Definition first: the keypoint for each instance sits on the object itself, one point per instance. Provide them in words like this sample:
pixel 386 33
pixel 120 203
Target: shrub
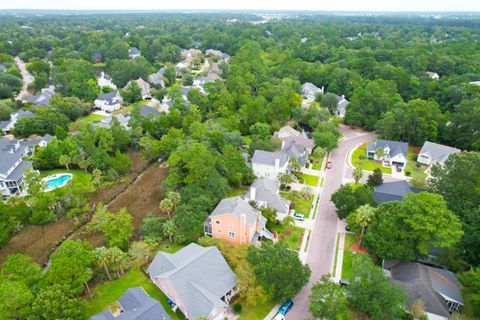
pixel 237 308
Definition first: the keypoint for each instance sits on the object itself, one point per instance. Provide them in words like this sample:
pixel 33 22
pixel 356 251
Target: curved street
pixel 321 248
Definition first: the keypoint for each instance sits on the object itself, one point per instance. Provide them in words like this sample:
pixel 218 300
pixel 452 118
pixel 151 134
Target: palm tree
pixel 363 216
pixel 97 175
pixel 65 161
pixel 169 229
pixel 166 205
pixel 294 164
pixel 357 174
pixel 175 198
pixel 285 178
pixel 379 153
pixel 84 164
pixel 119 260
pixel 103 258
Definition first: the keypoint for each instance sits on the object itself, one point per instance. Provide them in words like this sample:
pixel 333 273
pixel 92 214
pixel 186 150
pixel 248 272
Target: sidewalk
pixel 272 313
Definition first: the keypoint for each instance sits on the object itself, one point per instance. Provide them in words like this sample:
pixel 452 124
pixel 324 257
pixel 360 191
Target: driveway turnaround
pixel 321 249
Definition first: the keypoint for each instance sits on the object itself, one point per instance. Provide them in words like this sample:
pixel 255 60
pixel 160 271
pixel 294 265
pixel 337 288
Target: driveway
pixel 321 249
pixel 27 79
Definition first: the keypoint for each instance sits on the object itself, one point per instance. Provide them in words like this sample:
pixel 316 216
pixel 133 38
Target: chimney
pixel 243 228
pixel 252 193
pixel 343 96
pixel 277 164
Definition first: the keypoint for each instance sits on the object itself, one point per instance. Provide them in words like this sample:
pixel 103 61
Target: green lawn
pixel 415 170
pixel 78 175
pixel 99 65
pixel 235 192
pixel 347 272
pixel 307 179
pixel 336 254
pixel 317 166
pixel 257 312
pixel 366 164
pixel 84 121
pixel 291 238
pixel 110 291
pixel 301 206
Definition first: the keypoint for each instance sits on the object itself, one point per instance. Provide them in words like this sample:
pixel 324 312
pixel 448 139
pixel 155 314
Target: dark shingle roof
pixel 396 147
pixel 393 191
pixel 147 110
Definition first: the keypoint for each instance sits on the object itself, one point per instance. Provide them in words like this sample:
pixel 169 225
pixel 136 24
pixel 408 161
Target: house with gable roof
pixel 134 53
pixel 266 194
pixel 309 91
pixel 236 221
pixel 157 78
pixel 42 99
pixel 7 125
pixel 134 304
pixel 432 153
pixel 144 88
pixel 393 191
pixel 109 102
pixel 197 280
pixel 395 153
pixel 342 104
pixel 269 164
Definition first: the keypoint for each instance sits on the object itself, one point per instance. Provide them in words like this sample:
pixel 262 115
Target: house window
pixel 231 234
pixel 217 221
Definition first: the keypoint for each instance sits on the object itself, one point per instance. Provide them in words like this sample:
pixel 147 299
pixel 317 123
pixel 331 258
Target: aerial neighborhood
pixel 239 165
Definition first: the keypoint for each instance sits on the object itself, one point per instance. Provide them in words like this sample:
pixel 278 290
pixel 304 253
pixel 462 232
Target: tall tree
pixel 328 300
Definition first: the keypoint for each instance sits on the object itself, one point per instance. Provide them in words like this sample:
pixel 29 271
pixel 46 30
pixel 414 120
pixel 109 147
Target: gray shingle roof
pixel 147 110
pixel 17 173
pixel 109 97
pixel 236 206
pixel 297 150
pixel 393 191
pixel 437 152
pixel 133 50
pixel 8 157
pixel 200 276
pixel 266 190
pixel 396 147
pixel 137 305
pixel 427 283
pixel 268 157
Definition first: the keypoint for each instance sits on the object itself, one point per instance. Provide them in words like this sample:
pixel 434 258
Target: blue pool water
pixel 58 181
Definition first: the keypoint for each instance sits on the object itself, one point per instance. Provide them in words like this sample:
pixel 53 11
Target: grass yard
pixel 301 206
pixel 415 170
pixel 233 192
pixel 78 175
pixel 317 166
pixel 336 254
pixel 307 179
pixel 110 291
pixel 366 164
pixel 84 121
pixel 347 271
pixel 257 312
pixel 290 237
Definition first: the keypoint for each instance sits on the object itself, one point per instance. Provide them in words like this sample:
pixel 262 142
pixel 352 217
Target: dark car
pixel 399 168
pixel 347 228
pixel 286 307
pixel 329 164
pixel 344 282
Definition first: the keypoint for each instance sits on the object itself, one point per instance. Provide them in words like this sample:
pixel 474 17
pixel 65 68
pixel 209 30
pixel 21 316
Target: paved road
pixel 27 79
pixel 322 242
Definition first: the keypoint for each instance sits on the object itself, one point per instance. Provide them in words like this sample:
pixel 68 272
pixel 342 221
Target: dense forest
pixel 382 65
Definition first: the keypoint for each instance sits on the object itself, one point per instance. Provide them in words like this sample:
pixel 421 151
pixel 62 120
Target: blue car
pixel 286 307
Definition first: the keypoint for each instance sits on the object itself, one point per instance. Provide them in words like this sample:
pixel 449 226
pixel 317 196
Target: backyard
pixel 290 236
pixel 257 312
pixel 300 205
pixel 415 170
pixel 84 121
pixel 108 292
pixel 359 160
pixel 307 179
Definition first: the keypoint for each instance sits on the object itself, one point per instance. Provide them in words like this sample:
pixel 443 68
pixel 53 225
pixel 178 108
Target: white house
pixel 266 194
pixel 134 53
pixel 266 164
pixel 105 81
pixel 157 78
pixel 309 91
pixel 432 153
pixel 7 125
pixel 432 75
pixel 109 102
pixel 341 106
pixel 395 153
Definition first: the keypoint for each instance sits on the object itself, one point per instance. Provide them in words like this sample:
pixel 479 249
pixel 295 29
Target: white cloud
pixel 338 5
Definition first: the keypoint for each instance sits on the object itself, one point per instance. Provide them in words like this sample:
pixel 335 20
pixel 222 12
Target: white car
pixel 298 216
pixel 279 316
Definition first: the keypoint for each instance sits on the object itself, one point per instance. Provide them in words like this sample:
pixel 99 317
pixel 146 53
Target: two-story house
pixel 109 102
pixel 7 125
pixel 144 88
pixel 432 153
pixel 236 221
pixel 394 153
pixel 266 194
pixel 269 164
pixel 309 91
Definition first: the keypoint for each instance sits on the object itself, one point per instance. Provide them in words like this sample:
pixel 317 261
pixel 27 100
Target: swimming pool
pixel 55 181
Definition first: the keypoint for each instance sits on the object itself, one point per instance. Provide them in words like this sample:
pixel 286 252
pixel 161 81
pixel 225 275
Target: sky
pixel 322 5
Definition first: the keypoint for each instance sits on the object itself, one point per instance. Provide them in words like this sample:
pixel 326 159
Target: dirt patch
pixel 35 243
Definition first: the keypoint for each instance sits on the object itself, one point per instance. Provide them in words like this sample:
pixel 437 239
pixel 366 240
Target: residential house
pixel 105 81
pixel 108 121
pixel 12 165
pixel 439 289
pixel 134 304
pixel 393 191
pixel 144 87
pixel 309 91
pixel 190 53
pixel 266 194
pixel 214 72
pixel 157 78
pixel 197 280
pixel 266 164
pixel 134 53
pixel 295 144
pixel 166 105
pixel 217 53
pixel 146 111
pixel 236 221
pixel 432 75
pixel 342 104
pixel 42 99
pixel 109 102
pixel 7 125
pixel 184 90
pixel 395 153
pixel 432 153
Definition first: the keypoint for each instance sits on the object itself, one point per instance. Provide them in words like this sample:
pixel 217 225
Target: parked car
pixel 347 228
pixel 298 216
pixel 344 282
pixel 285 307
pixel 399 168
pixel 329 164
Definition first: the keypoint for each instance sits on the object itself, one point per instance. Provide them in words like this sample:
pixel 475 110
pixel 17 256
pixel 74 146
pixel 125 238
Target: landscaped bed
pixel 367 164
pixel 308 179
pixel 108 292
pixel 300 205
